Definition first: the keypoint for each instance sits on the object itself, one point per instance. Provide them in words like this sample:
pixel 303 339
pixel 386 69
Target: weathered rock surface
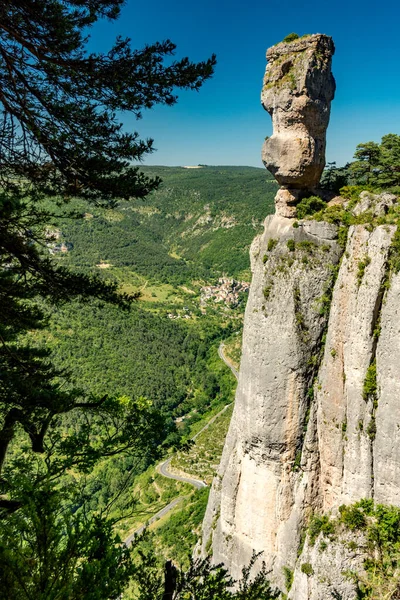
pixel 262 492
pixel 386 446
pixel 307 433
pixel 305 437
pixel 377 204
pixel 297 92
pixel 346 449
pixel 328 562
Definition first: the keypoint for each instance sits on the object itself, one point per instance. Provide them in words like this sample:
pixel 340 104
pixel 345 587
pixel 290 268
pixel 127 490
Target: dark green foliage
pixel 203 581
pixel 195 226
pixel 389 164
pixel 271 244
pixel 381 527
pixel 394 256
pixel 309 206
pixel 291 37
pixel 267 291
pixel 378 164
pixel 147 354
pixel 334 178
pixel 352 517
pixel 297 461
pixel 320 524
pixel 307 569
pixel 51 552
pixel 371 429
pixel 323 546
pixel 307 245
pixel 178 535
pixel 299 315
pixel 61 137
pixel 291 245
pixel 370 392
pixel 367 156
pixel 362 265
pixel 59 103
pixel 326 299
pixel 370 386
pixel 352 192
pixel 289 576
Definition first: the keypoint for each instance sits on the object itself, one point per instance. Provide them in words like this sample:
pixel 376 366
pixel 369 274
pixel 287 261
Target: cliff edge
pixel 316 423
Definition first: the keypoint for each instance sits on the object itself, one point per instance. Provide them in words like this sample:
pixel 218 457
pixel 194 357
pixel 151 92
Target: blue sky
pixel 224 124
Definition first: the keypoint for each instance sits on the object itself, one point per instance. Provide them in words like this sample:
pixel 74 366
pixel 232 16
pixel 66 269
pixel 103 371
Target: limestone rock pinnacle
pixel 297 92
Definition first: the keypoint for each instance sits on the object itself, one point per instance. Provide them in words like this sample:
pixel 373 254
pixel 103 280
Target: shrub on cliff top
pixel 309 206
pixel 353 517
pixel 291 37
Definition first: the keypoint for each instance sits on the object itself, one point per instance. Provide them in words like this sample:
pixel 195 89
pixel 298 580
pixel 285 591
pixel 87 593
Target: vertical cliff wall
pixel 267 477
pixel 316 423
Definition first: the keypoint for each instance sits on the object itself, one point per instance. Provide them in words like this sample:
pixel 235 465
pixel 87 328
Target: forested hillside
pixel 195 228
pixel 198 224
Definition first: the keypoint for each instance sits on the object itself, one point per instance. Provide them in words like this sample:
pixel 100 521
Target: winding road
pixel 226 361
pixel 162 468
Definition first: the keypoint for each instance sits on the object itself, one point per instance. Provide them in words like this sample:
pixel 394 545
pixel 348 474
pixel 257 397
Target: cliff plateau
pixel 316 423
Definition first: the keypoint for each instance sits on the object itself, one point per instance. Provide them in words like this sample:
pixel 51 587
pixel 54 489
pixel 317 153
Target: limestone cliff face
pixel 266 481
pixel 304 437
pixel 297 92
pixel 322 321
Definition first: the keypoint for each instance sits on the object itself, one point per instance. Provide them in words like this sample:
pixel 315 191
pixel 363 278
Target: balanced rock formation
pixel 297 92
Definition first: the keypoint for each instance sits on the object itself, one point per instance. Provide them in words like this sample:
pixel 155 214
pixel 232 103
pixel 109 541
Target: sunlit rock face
pixel 305 437
pixel 297 92
pixel 316 422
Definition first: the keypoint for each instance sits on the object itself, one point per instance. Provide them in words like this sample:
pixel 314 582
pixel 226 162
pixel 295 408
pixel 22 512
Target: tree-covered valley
pixel 164 348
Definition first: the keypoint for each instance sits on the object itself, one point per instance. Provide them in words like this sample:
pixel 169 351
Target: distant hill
pixel 199 224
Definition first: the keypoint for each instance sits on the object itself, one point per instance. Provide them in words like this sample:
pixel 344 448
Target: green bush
pixel 370 387
pixel 352 192
pixel 309 206
pixel 288 575
pixel 362 265
pixel 271 244
pixel 371 429
pixel 307 245
pixel 267 291
pixel 320 524
pixel 353 517
pixel 307 569
pixel 291 37
pixel 291 245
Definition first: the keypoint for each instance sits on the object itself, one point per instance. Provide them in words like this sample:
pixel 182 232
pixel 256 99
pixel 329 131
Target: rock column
pixel 297 92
